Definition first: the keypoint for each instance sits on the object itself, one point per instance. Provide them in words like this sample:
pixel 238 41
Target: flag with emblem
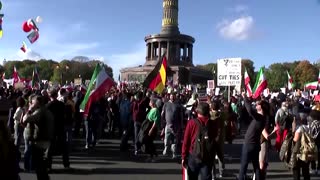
pixel 100 83
pixel 247 83
pixel 311 85
pixel 261 83
pixel 156 80
pixel 290 81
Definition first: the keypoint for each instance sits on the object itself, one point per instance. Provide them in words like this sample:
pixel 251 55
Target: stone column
pixel 191 54
pixel 159 50
pixel 152 51
pixel 184 52
pixel 147 51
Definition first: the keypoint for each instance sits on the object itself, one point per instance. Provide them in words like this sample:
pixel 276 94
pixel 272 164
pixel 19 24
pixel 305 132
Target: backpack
pixel 308 150
pixel 285 121
pixel 203 145
pixel 315 129
pixel 286 149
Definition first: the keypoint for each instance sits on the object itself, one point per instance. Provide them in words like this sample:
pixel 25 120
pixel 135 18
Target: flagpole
pixel 229 93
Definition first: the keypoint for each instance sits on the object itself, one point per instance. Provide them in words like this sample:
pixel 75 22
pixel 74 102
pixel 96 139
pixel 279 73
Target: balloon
pixel 25 26
pixel 30 24
pixel 39 19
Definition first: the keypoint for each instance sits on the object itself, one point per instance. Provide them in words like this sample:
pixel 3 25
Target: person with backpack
pixel 315 133
pixel 283 121
pixel 251 146
pixel 304 149
pixel 199 144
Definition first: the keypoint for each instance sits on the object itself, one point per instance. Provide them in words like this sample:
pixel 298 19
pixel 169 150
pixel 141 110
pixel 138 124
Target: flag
pixel 319 77
pixel 156 80
pixel 3 76
pixel 311 85
pixel 100 83
pixel 247 83
pixel 261 83
pixel 290 81
pixel 35 83
pixel 24 47
pixel 33 37
pixel 15 75
pixel 1 20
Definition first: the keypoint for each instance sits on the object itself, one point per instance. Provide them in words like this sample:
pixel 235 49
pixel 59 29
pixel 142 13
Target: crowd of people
pixel 193 131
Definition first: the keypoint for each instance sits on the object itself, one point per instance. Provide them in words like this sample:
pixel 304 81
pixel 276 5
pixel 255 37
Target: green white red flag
pixel 247 83
pixel 290 81
pixel 261 83
pixel 311 85
pixel 100 83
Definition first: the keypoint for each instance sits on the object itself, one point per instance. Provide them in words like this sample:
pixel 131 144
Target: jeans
pixel 170 141
pixel 91 132
pixel 18 134
pixel 137 127
pixel 305 170
pixel 194 169
pixel 28 163
pixel 250 153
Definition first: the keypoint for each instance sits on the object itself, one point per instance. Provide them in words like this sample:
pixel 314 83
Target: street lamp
pixel 61 72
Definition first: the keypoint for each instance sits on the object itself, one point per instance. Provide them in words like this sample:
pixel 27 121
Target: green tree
pixel 276 75
pixel 305 72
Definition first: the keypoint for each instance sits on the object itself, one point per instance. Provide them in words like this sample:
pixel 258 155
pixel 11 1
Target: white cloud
pixel 55 46
pixel 29 54
pixel 132 58
pixel 239 29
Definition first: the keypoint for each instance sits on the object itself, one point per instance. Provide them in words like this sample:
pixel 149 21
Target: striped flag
pixel 1 20
pixel 261 83
pixel 311 85
pixel 156 80
pixel 35 83
pixel 290 81
pixel 247 83
pixel 24 47
pixel 15 75
pixel 100 83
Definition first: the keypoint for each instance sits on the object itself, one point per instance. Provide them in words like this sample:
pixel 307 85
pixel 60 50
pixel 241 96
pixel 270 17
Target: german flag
pixel 156 79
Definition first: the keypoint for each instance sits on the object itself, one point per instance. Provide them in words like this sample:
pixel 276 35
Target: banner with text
pixel 229 72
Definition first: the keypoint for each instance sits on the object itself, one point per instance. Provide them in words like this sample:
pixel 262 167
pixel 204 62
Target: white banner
pixel 229 72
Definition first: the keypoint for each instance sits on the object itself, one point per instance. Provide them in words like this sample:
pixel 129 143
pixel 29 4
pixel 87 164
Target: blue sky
pixel 113 31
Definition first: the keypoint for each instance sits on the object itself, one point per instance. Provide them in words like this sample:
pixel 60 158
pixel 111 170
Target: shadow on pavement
pixel 144 171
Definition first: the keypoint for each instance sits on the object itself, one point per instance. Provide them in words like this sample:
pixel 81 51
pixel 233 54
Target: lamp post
pixel 64 70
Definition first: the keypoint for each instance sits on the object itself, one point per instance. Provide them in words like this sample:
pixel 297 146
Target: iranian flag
pixel 247 83
pixel 311 85
pixel 261 83
pixel 100 83
pixel 290 81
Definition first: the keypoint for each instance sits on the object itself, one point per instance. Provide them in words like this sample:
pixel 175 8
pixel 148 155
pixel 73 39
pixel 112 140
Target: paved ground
pixel 106 162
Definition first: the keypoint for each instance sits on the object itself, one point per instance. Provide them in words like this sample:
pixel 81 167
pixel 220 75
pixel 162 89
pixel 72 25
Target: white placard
pixel 229 72
pixel 217 91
